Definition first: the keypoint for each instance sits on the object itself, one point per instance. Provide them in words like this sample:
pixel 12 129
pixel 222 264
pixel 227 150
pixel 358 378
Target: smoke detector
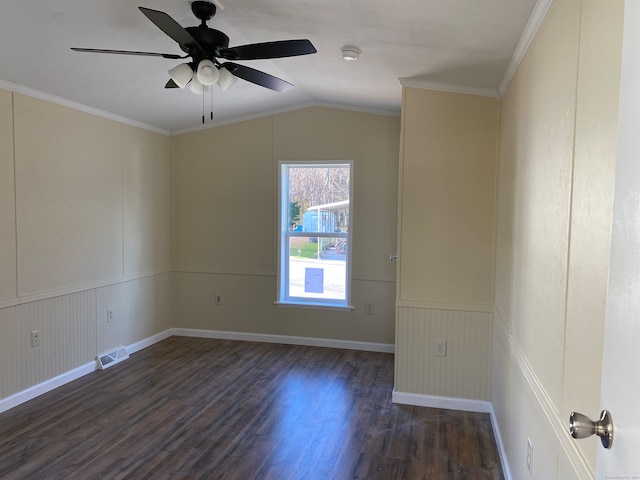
pixel 351 54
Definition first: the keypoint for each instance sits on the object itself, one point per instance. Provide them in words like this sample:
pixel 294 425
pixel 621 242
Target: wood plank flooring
pixel 189 408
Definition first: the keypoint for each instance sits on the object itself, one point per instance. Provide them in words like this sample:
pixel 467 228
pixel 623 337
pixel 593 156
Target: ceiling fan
pixel 206 46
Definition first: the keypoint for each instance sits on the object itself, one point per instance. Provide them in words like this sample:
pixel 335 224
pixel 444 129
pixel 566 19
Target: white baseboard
pixel 55 382
pixel 500 444
pixel 433 401
pixel 147 342
pixel 397 397
pixel 286 339
pixel 46 386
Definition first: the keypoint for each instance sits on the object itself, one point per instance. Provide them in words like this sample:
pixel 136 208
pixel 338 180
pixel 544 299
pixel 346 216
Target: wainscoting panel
pixel 9 363
pixel 74 328
pixel 465 370
pixel 140 309
pixel 67 339
pixel 523 410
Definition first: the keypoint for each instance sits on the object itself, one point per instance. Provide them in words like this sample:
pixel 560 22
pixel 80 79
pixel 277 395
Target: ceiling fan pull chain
pixel 211 93
pixel 203 92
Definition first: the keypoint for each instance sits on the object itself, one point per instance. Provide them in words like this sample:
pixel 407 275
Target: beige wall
pixel 447 198
pixel 557 153
pixel 224 205
pixel 146 199
pixel 8 280
pixel 68 197
pixel 225 224
pixel 86 227
pixel 446 230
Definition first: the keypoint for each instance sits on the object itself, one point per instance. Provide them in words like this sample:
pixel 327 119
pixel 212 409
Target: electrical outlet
pixel 440 349
pixel 368 308
pixel 218 299
pixel 35 338
pixel 109 316
pixel 529 456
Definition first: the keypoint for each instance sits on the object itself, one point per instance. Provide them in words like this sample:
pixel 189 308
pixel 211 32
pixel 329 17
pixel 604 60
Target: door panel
pixel 620 386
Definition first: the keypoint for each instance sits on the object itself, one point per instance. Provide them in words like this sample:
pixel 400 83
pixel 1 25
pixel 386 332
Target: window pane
pixel 315 241
pixel 317 267
pixel 318 198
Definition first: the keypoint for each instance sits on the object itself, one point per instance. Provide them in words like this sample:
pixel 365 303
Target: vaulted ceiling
pixel 457 44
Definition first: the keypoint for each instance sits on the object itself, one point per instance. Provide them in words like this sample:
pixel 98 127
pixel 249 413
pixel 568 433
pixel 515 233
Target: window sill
pixel 327 306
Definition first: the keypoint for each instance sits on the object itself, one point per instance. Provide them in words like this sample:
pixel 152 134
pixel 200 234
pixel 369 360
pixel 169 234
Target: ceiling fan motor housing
pixel 212 42
pixel 203 10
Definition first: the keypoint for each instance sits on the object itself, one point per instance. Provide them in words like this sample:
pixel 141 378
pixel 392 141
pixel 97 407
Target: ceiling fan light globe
pixel 207 73
pixel 198 88
pixel 225 78
pixel 181 75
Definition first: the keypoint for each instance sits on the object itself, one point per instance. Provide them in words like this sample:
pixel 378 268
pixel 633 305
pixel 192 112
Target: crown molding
pixel 535 20
pixel 290 108
pixel 448 87
pixel 47 97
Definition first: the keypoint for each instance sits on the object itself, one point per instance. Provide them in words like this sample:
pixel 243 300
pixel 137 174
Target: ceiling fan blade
pixel 169 26
pixel 279 49
pixel 128 52
pixel 259 78
pixel 171 84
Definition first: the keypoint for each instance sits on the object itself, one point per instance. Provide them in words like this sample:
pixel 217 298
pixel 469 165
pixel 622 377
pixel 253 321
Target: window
pixel 315 238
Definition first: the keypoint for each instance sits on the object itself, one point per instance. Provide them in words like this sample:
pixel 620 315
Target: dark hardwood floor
pixel 189 408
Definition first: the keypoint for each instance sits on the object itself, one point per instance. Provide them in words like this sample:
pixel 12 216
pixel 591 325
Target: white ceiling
pixel 460 43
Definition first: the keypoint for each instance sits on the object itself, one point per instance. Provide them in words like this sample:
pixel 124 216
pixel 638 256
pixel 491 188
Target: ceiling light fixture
pixel 351 54
pixel 207 73
pixel 225 78
pixel 198 88
pixel 182 74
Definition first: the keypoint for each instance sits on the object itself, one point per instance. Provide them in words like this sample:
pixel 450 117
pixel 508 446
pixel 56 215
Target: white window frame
pixel 284 234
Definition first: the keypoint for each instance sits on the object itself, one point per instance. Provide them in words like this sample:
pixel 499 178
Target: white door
pixel 621 362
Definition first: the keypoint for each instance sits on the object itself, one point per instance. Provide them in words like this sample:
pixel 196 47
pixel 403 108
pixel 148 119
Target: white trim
pixel 463 307
pixel 147 342
pixel 55 382
pixel 223 271
pixel 301 304
pixel 81 107
pixel 535 20
pixel 506 470
pixel 448 87
pixel 364 277
pixel 285 339
pixel 354 108
pixel 30 92
pixel 290 108
pixel 9 303
pixel 284 295
pixel 34 297
pixel 46 386
pixel 60 380
pixel 450 403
